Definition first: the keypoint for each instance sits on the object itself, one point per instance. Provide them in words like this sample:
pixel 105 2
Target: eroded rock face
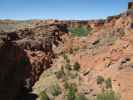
pixel 24 55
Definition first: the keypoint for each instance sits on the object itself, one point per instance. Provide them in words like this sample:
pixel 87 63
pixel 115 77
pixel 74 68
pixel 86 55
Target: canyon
pixel 29 50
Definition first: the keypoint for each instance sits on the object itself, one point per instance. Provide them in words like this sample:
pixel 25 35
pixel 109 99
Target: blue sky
pixel 60 9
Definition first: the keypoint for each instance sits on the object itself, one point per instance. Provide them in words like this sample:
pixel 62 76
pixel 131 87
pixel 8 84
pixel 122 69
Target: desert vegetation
pixel 67 82
pixel 108 95
pixel 80 31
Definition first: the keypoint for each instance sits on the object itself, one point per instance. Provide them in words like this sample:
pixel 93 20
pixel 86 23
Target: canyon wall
pixel 24 55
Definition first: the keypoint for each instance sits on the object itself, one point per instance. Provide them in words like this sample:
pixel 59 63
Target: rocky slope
pixel 106 52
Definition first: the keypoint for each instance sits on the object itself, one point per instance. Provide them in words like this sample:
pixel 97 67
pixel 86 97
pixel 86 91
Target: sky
pixel 61 9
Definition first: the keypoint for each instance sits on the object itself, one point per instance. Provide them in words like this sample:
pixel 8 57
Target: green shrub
pixel 43 96
pixel 66 85
pixel 73 86
pixel 76 48
pixel 71 95
pixel 70 86
pixel 100 79
pixel 60 74
pixel 55 90
pixel 107 95
pixel 81 97
pixel 68 66
pixel 66 58
pixel 76 66
pixel 108 83
pixel 79 31
pixel 71 51
pixel 72 74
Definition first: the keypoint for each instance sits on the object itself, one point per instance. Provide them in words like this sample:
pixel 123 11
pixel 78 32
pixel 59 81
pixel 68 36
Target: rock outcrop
pixel 24 55
pixel 130 5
